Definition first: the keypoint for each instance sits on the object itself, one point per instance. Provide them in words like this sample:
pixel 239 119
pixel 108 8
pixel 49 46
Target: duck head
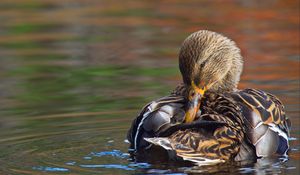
pixel 208 61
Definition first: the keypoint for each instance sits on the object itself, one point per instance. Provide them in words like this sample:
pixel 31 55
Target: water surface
pixel 73 74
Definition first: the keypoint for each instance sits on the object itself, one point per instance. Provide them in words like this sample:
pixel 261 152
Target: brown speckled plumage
pixel 229 124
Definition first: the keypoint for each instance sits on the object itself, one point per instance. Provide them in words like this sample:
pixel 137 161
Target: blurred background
pixel 73 75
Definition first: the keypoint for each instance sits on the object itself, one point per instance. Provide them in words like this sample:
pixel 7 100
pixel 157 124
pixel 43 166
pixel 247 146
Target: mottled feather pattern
pixel 180 90
pixel 218 142
pixel 265 105
pixel 224 108
pixel 234 134
pixel 267 126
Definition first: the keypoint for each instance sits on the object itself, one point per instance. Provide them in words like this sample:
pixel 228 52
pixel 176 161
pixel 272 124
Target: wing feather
pixel 153 117
pixel 216 135
pixel 267 126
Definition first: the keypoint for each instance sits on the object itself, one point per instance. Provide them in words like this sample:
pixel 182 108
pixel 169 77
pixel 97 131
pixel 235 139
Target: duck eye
pixel 192 93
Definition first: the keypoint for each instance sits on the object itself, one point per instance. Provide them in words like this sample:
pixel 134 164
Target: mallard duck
pixel 206 119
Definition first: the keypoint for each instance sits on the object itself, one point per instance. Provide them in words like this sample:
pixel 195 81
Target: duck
pixel 206 119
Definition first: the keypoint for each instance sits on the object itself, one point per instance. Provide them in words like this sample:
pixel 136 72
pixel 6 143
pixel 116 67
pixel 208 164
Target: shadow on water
pixel 73 75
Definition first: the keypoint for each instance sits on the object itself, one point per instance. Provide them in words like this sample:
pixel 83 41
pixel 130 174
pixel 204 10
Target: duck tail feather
pixel 160 141
pixel 200 161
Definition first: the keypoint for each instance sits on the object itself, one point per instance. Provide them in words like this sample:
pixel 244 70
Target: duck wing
pixel 216 136
pixel 154 118
pixel 267 126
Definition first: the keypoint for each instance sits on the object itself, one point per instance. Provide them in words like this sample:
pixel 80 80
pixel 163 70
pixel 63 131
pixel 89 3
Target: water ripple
pixel 292 138
pixel 71 163
pixel 113 153
pixel 140 165
pixel 113 166
pixel 131 166
pixel 50 169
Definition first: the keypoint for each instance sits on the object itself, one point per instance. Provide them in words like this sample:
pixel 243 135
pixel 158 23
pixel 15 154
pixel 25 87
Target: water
pixel 74 74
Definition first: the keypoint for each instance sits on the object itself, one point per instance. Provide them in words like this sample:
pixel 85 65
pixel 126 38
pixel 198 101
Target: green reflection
pixel 23 28
pixel 54 89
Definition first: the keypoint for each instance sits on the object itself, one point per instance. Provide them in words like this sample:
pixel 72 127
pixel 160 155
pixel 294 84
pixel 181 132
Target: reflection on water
pixel 73 74
pixel 50 169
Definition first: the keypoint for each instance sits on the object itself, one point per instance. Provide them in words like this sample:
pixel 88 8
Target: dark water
pixel 73 74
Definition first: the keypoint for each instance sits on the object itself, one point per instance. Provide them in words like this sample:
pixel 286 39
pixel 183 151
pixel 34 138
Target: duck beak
pixel 193 106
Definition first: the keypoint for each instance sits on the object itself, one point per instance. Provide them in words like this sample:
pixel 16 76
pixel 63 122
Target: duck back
pixel 266 123
pixel 239 125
